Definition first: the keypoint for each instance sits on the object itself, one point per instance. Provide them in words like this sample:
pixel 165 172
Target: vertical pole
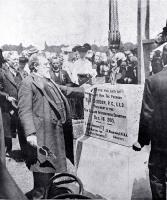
pixel 139 40
pixel 147 24
pixel 141 70
pixel 109 15
pixel 109 25
pixel 2 142
pixel 147 46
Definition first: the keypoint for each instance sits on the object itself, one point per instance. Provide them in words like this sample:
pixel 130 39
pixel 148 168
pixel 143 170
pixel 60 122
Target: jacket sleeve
pixel 25 98
pixel 72 91
pixel 2 93
pixel 146 115
pixel 68 80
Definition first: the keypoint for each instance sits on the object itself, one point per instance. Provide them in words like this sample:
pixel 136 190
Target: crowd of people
pixel 40 92
pixel 157 62
pixel 79 64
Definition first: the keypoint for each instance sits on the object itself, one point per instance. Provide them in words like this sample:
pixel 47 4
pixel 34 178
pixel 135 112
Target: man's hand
pixel 137 146
pixel 32 140
pixel 10 99
pixel 31 153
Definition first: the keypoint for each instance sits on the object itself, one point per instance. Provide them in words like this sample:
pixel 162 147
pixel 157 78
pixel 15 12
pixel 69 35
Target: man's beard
pixel 56 69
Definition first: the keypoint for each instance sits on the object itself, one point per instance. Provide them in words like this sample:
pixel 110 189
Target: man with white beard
pixel 44 113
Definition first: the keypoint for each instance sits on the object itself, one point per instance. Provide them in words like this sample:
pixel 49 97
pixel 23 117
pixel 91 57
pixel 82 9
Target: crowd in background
pixel 79 64
pixel 76 66
pixel 39 99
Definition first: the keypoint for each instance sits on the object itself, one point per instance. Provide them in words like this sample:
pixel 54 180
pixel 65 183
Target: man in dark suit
pixel 46 119
pixel 8 97
pixel 58 75
pixel 21 73
pixel 153 127
pixel 11 76
pixel 2 60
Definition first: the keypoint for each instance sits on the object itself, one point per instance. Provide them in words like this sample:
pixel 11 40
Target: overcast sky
pixel 71 21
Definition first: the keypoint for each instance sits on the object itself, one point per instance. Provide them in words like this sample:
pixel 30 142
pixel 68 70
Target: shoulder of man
pixel 157 76
pixel 155 80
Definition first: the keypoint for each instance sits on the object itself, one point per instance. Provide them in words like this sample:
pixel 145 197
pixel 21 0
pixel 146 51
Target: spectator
pixel 153 128
pixel 8 99
pixel 21 73
pixel 156 62
pixel 131 71
pixel 2 60
pixel 82 68
pixel 58 75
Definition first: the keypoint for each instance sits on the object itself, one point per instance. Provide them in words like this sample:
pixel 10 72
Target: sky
pixel 72 21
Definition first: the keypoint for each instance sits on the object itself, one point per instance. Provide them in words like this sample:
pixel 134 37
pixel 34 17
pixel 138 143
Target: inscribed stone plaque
pixel 108 112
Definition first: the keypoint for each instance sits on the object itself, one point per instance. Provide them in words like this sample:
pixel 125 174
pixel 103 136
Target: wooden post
pixel 143 33
pixel 2 142
pixel 147 23
pixel 139 41
pixel 109 24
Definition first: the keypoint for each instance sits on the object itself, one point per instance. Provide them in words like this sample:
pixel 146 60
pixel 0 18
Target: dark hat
pixel 82 49
pixel 86 45
pixel 165 28
pixel 23 60
pixel 157 53
pixel 74 49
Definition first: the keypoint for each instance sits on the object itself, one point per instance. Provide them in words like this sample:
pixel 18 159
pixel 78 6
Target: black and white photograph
pixel 83 99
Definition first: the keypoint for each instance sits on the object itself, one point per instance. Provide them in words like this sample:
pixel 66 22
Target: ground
pixel 18 169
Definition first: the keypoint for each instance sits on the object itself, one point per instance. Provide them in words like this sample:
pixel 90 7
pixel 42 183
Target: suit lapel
pixel 39 84
pixel 64 99
pixel 10 77
pixel 61 94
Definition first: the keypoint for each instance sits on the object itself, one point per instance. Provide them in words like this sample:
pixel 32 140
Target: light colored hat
pixel 120 56
pixel 97 54
pixel 33 59
pixel 66 49
pixel 104 57
pixel 32 51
